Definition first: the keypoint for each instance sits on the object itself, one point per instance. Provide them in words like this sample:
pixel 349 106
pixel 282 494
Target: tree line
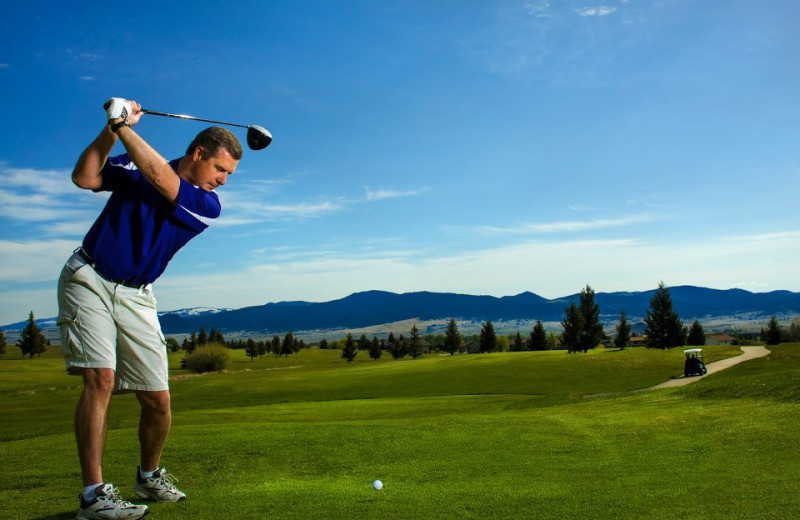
pixel 581 331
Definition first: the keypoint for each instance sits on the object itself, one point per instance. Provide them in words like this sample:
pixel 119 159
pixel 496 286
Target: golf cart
pixel 694 362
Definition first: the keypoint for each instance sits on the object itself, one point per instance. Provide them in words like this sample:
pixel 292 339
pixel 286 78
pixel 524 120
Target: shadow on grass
pixel 60 516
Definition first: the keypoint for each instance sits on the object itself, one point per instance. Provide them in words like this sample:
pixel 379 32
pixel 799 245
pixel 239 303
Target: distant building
pixel 470 347
pixel 719 339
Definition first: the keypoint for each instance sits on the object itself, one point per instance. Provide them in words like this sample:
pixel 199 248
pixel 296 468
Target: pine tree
pixel 350 350
pixel 2 342
pixel 623 337
pixel 538 339
pixel 216 336
pixel 31 340
pixel 697 336
pixel 192 343
pixel 592 330
pixel 488 338
pixel 452 338
pixel 415 343
pixel 173 345
pixel 375 351
pixel 202 338
pixel 288 345
pixel 519 346
pixel 275 346
pixel 572 325
pixel 773 332
pixel 251 349
pixel 664 328
pixel 399 348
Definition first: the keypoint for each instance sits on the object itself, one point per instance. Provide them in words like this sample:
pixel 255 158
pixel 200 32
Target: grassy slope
pixel 493 436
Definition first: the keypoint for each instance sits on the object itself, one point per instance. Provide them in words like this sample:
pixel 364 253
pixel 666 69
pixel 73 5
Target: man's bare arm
pixel 155 168
pixel 86 173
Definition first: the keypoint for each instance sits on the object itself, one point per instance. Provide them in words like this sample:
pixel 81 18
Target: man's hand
pixel 119 109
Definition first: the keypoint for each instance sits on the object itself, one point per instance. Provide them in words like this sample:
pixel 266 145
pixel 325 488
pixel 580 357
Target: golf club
pixel 258 137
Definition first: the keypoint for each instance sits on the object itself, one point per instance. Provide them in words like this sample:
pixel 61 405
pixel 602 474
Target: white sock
pixel 146 474
pixel 90 492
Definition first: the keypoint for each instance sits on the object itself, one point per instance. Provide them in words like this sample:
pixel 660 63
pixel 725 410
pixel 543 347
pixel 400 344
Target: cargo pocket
pixel 71 337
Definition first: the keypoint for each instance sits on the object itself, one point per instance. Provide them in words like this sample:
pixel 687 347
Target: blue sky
pixel 479 147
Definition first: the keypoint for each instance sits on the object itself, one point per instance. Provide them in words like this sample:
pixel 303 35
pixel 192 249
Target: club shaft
pixel 184 116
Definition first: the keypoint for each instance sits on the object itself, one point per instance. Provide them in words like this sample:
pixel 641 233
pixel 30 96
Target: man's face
pixel 212 172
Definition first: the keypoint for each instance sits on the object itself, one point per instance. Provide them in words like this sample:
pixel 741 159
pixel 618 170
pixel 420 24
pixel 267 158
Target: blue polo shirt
pixel 139 231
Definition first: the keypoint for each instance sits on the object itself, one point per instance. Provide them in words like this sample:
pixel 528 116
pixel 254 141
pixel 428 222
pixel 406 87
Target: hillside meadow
pixel 507 435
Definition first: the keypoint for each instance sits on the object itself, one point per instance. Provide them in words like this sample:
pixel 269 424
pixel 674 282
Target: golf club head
pixel 258 137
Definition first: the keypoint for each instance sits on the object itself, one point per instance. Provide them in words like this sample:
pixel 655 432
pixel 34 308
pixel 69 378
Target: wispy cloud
pixel 538 9
pixel 86 78
pixel 529 228
pixel 382 194
pixel 295 96
pixel 47 198
pixel 33 261
pixel 260 203
pixel 4 66
pixel 90 56
pixel 550 268
pixel 600 10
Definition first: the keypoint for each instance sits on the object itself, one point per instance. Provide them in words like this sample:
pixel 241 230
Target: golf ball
pixel 378 485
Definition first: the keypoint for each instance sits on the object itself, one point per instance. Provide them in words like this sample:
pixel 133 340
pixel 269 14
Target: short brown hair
pixel 212 139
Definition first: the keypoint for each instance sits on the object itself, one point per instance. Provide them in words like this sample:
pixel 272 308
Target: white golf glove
pixel 117 107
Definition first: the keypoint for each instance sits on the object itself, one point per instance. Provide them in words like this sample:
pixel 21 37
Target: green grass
pixel 481 436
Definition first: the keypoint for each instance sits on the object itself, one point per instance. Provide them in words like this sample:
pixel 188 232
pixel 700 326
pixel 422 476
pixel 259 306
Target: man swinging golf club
pixel 110 332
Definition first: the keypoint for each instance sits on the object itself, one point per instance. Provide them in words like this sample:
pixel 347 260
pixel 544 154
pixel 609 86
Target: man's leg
pixel 152 482
pixel 154 424
pixel 91 421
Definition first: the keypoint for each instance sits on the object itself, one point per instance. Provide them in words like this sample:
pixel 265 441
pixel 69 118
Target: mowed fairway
pixel 509 435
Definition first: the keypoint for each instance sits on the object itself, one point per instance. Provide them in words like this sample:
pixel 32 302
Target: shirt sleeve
pixel 114 171
pixel 196 207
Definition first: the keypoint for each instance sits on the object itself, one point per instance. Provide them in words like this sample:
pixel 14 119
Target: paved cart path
pixel 748 353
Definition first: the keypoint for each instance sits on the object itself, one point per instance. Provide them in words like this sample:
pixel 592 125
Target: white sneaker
pixel 109 506
pixel 158 488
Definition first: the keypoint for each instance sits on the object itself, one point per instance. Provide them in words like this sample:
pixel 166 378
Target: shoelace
pixel 114 497
pixel 166 479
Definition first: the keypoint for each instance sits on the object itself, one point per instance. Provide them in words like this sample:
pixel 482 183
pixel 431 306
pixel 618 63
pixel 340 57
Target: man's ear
pixel 197 155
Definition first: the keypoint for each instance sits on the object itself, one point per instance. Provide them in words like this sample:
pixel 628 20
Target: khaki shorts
pixel 108 325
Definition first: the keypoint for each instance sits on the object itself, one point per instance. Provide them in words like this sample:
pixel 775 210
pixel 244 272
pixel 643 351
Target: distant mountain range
pixel 372 308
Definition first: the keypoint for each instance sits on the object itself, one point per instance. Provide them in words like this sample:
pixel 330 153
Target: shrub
pixel 209 358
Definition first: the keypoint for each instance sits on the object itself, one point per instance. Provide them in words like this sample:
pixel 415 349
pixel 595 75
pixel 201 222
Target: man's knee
pixel 156 402
pixel 99 381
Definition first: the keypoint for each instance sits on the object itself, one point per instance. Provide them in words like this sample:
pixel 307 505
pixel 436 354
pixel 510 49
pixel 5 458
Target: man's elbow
pixel 86 182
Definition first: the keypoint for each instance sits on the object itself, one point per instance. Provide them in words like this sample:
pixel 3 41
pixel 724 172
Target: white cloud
pixel 252 206
pixel 537 9
pixel 34 261
pixel 90 56
pixel 564 226
pixel 86 78
pixel 551 269
pixel 46 197
pixel 4 66
pixel 600 10
pixel 373 195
